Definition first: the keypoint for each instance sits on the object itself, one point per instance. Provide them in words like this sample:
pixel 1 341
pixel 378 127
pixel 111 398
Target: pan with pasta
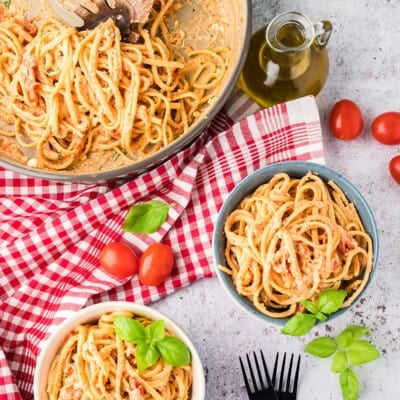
pixel 87 104
pixel 289 232
pixel 87 357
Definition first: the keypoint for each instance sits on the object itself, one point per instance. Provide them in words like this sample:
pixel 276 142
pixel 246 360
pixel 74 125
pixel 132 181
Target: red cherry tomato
pixel 156 264
pixel 386 128
pixel 346 120
pixel 394 168
pixel 119 260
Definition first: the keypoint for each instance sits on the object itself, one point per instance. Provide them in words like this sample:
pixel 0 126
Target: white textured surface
pixel 364 56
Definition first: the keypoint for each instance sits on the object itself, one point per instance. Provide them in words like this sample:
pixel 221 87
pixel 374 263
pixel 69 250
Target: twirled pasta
pixel 293 238
pixel 94 363
pixel 69 93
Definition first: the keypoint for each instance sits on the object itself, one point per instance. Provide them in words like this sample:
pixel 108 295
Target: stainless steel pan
pixel 235 16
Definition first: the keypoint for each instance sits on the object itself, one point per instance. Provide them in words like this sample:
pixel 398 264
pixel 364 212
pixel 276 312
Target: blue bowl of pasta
pixel 290 231
pixel 86 354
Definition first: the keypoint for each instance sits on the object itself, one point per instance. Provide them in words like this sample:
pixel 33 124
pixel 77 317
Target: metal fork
pixel 263 389
pixel 290 391
pixel 86 14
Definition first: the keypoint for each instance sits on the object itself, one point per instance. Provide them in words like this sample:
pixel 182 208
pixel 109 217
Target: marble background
pixel 364 56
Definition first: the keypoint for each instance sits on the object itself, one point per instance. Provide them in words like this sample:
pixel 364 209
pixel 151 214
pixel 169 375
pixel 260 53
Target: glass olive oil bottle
pixel 286 60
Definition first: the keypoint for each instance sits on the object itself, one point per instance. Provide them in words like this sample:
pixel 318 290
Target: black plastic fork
pixel 288 391
pixel 261 388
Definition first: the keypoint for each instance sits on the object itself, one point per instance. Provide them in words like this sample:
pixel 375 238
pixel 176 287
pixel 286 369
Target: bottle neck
pixel 289 37
pixel 290 32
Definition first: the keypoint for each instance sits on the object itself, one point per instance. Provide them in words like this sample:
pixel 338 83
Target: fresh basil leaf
pixel 146 217
pixel 310 306
pixel 351 333
pixel 361 352
pixel 357 331
pixel 129 329
pixel 299 324
pixel 348 381
pixel 146 355
pixel 173 351
pixel 155 331
pixel 345 339
pixel 321 317
pixel 321 347
pixel 331 300
pixel 339 362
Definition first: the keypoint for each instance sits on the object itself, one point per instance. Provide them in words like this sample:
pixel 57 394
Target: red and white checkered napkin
pixel 52 233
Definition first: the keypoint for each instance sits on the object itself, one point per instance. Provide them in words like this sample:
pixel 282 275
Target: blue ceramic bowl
pixel 248 185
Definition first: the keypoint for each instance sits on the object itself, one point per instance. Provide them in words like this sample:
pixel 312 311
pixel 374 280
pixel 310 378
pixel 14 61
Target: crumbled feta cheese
pixel 32 162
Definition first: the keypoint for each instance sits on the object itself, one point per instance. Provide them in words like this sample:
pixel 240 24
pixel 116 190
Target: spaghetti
pixel 95 363
pixel 71 94
pixel 292 239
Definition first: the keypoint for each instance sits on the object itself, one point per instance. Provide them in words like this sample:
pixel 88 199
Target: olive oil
pixel 284 64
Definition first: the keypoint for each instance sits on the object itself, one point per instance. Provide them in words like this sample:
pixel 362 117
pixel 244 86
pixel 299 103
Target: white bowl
pixel 92 314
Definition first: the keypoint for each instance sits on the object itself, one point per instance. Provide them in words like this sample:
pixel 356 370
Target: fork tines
pixel 291 381
pixel 260 384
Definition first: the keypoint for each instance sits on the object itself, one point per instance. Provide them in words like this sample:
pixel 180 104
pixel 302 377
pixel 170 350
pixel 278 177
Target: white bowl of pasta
pixel 105 348
pixel 290 231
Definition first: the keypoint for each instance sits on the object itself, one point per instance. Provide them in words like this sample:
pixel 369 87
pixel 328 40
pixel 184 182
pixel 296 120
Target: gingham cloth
pixel 52 233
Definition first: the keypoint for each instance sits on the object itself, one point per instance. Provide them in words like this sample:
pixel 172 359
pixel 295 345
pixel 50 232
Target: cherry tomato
pixel 346 120
pixel 386 128
pixel 156 264
pixel 119 260
pixel 394 168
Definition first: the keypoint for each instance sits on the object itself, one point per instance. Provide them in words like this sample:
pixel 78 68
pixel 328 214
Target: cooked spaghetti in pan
pixel 94 363
pixel 67 96
pixel 293 238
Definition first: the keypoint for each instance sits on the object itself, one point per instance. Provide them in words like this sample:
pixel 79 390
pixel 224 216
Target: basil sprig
pixel 152 343
pixel 146 217
pixel 348 350
pixel 328 302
